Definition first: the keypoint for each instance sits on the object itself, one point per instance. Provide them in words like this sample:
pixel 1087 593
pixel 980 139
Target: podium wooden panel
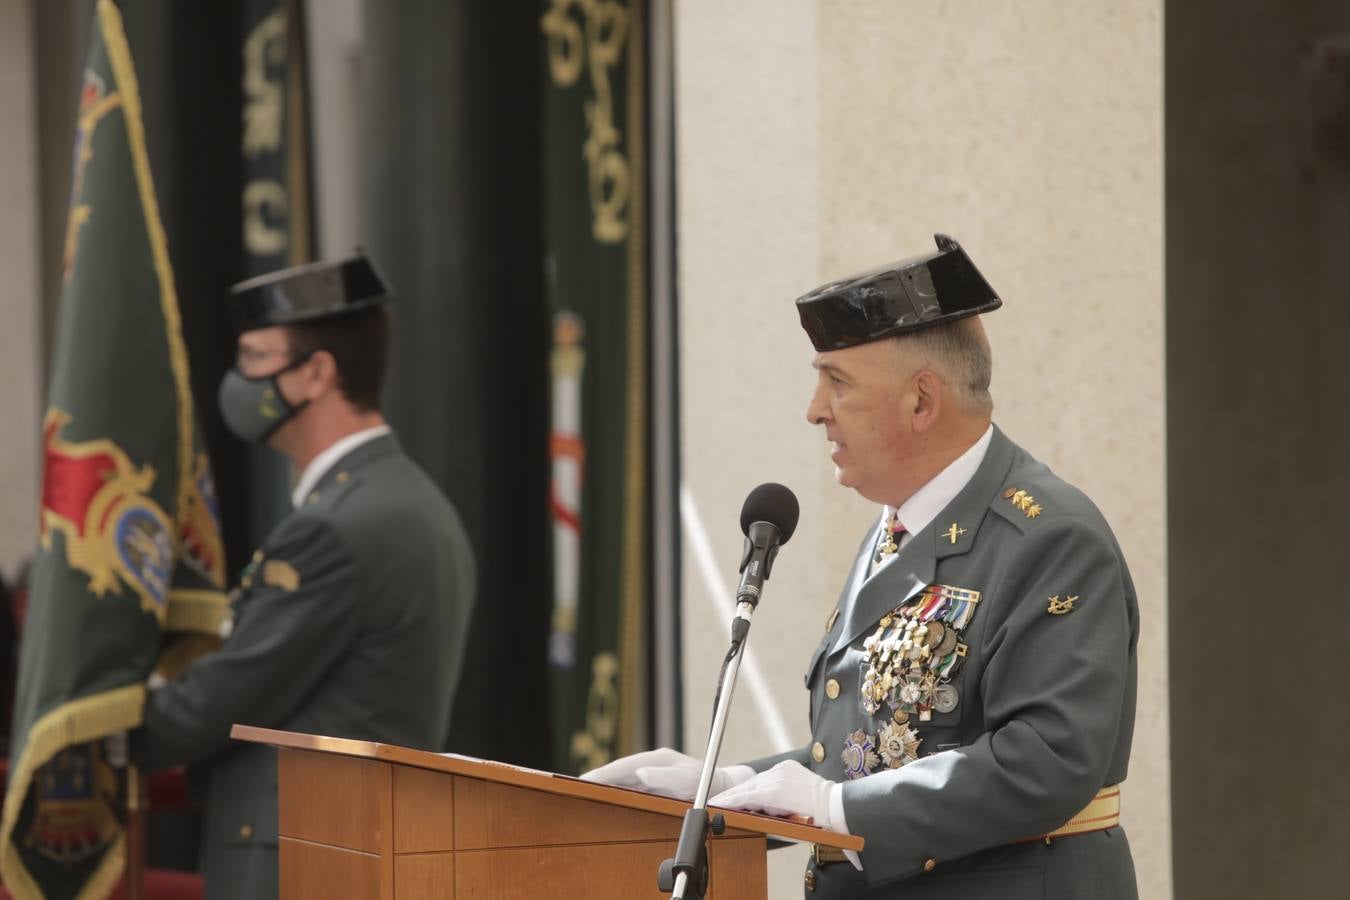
pixel 380 822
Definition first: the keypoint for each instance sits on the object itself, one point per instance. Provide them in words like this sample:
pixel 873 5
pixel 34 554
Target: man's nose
pixel 816 409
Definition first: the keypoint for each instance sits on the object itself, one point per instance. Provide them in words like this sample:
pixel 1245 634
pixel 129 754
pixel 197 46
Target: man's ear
pixel 927 394
pixel 323 374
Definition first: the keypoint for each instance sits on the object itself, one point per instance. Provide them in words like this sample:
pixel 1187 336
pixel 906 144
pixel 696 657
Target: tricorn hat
pixel 892 300
pixel 304 293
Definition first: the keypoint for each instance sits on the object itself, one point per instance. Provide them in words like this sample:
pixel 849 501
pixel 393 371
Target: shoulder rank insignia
pixel 278 574
pixel 1024 502
pixel 1060 607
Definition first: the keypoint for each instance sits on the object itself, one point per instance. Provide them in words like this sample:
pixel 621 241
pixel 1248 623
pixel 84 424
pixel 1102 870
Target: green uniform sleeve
pixel 1052 688
pixel 292 622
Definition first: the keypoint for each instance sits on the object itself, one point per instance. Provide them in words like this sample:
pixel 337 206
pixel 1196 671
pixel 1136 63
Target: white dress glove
pixel 788 789
pixel 666 772
pixel 791 789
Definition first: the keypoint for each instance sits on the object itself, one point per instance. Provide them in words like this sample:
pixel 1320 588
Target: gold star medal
pixel 899 744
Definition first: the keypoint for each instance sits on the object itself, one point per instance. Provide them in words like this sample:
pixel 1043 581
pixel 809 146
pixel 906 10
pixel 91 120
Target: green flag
pixel 129 544
pixel 595 265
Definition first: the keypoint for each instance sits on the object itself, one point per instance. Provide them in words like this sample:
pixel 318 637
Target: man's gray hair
pixel 959 352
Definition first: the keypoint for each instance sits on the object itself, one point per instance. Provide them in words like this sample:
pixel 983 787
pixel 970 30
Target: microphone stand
pixel 686 875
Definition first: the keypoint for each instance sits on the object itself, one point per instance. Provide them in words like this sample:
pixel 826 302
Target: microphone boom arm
pixel 686 876
pixel 768 519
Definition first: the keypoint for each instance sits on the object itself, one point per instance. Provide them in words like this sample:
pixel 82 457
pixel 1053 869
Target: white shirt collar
pixel 923 506
pixel 319 465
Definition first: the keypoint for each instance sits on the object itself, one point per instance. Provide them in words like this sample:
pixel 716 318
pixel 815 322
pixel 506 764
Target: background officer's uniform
pixel 350 622
pixel 955 784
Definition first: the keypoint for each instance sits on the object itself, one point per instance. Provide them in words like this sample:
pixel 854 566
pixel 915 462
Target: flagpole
pixel 136 804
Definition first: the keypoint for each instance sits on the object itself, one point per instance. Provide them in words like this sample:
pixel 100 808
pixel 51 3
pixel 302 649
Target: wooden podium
pixel 377 822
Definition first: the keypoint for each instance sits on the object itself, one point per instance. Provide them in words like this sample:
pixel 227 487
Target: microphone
pixel 768 518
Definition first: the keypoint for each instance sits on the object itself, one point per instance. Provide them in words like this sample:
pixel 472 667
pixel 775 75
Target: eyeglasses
pixel 247 357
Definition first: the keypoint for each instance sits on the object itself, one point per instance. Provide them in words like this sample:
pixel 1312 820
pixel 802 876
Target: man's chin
pixel 852 481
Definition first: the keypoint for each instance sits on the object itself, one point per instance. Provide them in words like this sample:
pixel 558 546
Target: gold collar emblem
pixel 1060 607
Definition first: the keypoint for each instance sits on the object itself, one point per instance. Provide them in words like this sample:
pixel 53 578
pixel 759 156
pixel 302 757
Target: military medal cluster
pixel 906 674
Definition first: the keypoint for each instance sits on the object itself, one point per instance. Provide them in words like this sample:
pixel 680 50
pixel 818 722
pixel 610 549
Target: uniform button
pixel 832 689
pixel 929 864
pixel 818 752
pixel 246 831
pixel 810 880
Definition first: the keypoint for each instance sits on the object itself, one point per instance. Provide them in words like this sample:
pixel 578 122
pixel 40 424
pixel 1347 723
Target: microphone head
pixel 774 504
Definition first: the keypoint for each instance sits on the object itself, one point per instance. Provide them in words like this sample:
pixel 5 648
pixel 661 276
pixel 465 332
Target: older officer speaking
pixel 351 618
pixel 972 698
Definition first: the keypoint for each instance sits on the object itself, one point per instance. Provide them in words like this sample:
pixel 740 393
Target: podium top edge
pixel 535 779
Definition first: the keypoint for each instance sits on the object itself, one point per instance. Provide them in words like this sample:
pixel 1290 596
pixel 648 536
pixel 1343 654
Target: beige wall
pixel 19 289
pixel 816 139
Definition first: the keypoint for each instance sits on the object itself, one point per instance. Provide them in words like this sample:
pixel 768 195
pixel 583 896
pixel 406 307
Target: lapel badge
pixel 279 574
pixel 1060 607
pixel 954 532
pixel 860 755
pixel 1024 502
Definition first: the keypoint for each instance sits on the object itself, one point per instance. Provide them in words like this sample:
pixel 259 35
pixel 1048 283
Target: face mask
pixel 253 408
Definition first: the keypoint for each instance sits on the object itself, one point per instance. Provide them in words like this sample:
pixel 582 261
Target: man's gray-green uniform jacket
pixel 350 622
pixel 1044 709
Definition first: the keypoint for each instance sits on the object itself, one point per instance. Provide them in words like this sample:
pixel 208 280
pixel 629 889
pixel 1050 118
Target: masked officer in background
pixel 972 698
pixel 350 620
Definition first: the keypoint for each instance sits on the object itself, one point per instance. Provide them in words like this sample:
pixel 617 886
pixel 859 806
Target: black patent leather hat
pixel 895 299
pixel 305 293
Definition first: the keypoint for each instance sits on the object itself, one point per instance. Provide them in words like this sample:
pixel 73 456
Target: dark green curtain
pixel 275 192
pixel 451 210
